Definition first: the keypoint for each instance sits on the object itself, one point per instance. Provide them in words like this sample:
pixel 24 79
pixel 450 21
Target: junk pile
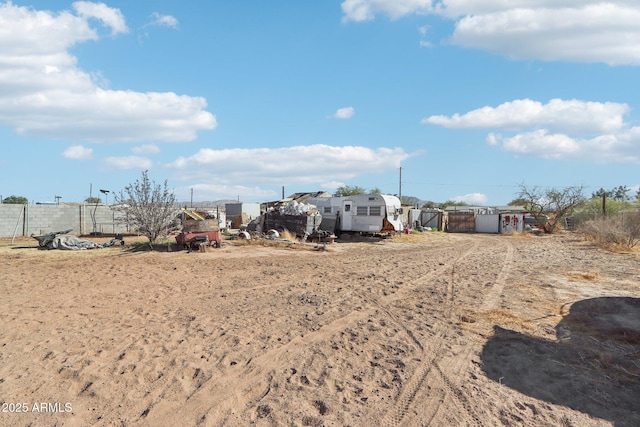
pixel 300 219
pixel 64 240
pixel 198 231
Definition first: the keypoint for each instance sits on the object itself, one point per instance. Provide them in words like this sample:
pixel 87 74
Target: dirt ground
pixel 419 330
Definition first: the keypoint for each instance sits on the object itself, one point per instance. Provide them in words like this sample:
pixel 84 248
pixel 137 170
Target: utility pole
pixel 192 198
pixel 400 189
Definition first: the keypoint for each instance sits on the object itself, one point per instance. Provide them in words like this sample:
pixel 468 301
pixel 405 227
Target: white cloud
pixel 332 185
pixel 44 93
pixel 366 10
pixel 109 16
pixel 604 32
pixel 311 166
pixel 77 152
pixel 128 162
pixel 424 30
pixel 471 199
pixel 561 115
pixel 322 167
pixel 557 130
pixel 553 30
pixel 611 148
pixel 146 149
pixel 542 144
pixel 212 192
pixel 344 113
pixel 163 20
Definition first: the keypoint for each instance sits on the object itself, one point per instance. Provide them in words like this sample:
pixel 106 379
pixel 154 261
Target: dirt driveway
pixel 434 329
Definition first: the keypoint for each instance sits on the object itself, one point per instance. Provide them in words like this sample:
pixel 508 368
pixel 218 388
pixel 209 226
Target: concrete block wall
pixel 25 220
pixel 11 220
pixel 42 219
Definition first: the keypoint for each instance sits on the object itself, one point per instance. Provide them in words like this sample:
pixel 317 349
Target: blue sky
pixel 236 99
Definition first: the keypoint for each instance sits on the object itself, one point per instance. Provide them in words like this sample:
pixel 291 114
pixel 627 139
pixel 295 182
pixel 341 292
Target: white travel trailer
pixel 366 213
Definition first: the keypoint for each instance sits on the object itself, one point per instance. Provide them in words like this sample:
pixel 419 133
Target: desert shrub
pixel 147 207
pixel 618 230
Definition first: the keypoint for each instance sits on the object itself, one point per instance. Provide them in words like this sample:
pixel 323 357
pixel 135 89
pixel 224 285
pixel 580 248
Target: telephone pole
pixel 400 189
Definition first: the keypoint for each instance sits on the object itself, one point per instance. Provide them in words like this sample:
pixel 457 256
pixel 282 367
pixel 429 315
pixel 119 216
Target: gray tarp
pixel 68 242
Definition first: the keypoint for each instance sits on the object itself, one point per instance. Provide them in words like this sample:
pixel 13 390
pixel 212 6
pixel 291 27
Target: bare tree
pixel 550 206
pixel 147 207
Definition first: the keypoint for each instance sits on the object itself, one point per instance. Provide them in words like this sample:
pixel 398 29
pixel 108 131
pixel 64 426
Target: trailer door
pixel 347 207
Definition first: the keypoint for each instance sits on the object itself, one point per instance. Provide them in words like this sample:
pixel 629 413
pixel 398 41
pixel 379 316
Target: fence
pixel 461 222
pixel 27 220
pixel 623 216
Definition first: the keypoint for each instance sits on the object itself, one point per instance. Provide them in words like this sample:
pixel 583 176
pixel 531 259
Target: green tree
pixel 93 200
pixel 347 190
pixel 452 203
pixel 594 207
pixel 147 207
pixel 15 200
pixel 551 205
pixel 618 193
pixel 600 193
pixel 609 201
pixel 517 202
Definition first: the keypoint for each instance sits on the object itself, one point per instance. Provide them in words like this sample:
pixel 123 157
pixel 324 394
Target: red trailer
pixel 193 239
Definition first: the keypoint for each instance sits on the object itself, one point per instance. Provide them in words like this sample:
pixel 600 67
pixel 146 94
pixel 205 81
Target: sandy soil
pixel 436 329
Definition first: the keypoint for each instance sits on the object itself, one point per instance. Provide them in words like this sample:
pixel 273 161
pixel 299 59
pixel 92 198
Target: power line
pixel 448 184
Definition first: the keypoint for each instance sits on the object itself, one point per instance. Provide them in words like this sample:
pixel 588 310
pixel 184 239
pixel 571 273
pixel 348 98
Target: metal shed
pixel 511 223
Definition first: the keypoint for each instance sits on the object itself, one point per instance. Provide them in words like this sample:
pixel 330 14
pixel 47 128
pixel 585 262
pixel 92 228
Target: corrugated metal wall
pixel 488 223
pixel 511 223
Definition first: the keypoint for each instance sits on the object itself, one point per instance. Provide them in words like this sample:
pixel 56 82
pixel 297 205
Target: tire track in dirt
pixel 405 401
pixel 385 303
pixel 253 377
pixel 495 293
pixel 442 391
pixel 453 396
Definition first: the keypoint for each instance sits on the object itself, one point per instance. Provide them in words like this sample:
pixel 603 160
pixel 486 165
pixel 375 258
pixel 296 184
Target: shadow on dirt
pixel 594 367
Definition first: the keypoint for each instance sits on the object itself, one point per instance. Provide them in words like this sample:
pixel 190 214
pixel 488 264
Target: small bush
pixel 617 231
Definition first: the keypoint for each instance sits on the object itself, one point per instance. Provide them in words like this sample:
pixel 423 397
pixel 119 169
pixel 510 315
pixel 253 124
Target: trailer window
pixel 374 210
pixel 361 210
pixel 327 209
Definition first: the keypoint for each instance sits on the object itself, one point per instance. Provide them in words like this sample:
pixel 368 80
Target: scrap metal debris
pixel 63 240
